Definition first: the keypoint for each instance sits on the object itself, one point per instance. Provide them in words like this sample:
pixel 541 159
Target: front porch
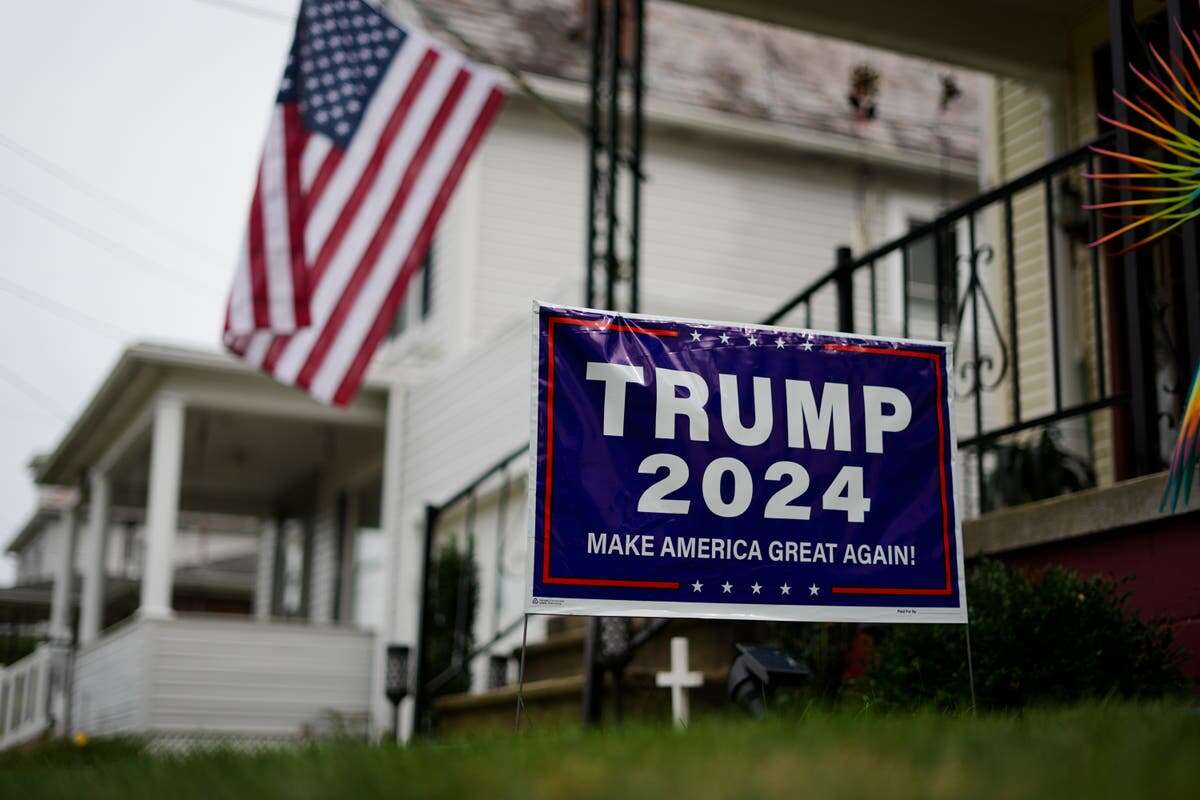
pixel 1071 363
pixel 258 640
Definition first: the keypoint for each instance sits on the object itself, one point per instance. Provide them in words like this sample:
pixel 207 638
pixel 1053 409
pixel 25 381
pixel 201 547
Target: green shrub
pixel 1035 468
pixel 1049 636
pixel 450 614
pixel 825 649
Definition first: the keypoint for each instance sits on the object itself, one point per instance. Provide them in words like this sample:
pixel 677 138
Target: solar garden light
pixel 395 682
pixel 759 669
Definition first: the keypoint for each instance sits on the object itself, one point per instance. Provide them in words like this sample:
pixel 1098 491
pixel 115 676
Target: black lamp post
pixel 395 682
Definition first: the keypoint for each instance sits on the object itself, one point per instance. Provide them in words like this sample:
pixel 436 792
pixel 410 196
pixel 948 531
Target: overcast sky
pixel 161 104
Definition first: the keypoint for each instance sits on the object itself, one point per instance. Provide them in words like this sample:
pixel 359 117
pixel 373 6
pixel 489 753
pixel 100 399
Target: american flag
pixel 371 130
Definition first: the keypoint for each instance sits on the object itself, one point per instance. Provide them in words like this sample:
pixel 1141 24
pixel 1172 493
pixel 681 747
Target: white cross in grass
pixel 679 679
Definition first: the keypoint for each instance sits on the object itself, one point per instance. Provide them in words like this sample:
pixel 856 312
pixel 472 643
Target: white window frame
pixel 902 207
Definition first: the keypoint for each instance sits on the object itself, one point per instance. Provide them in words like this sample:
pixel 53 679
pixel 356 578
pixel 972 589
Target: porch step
pixel 559 656
pixel 554 679
pixel 556 702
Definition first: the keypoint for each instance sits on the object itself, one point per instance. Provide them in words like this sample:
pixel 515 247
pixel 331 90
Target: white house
pixel 757 168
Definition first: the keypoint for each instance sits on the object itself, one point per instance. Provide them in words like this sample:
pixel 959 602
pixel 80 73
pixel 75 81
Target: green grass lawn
pixel 1095 751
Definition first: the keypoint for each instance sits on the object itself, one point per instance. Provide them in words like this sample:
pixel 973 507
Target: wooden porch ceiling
pixel 1018 38
pixel 251 464
pixel 241 425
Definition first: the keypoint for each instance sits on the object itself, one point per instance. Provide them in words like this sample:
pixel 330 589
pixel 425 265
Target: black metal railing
pixel 1051 353
pixel 1010 360
pixel 501 479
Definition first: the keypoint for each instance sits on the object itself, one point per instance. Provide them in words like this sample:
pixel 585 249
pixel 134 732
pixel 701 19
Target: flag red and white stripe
pixel 337 233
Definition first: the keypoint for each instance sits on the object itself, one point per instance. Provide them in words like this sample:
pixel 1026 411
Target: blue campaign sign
pixel 704 469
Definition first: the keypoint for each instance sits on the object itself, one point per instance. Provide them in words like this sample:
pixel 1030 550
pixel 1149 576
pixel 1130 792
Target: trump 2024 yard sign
pixel 702 469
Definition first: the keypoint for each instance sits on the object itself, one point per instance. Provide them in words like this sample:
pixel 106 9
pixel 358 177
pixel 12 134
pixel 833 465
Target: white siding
pixel 229 675
pixel 463 421
pixel 1023 139
pixel 221 676
pixel 729 229
pixel 731 232
pixel 475 412
pixel 1024 142
pixel 110 691
pixel 531 220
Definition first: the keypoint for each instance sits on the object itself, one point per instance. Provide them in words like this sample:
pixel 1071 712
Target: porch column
pixel 347 530
pixel 64 577
pixel 402 561
pixel 162 506
pixel 323 558
pixel 91 612
pixel 264 584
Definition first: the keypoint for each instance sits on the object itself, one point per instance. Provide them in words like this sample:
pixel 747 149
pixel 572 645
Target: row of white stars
pixel 752 340
pixel 756 588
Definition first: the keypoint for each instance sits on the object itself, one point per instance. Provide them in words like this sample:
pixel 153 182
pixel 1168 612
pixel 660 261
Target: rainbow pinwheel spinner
pixel 1187 451
pixel 1165 192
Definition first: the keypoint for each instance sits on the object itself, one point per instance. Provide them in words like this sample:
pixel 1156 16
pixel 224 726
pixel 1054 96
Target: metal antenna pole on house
pixel 615 133
pixel 616 46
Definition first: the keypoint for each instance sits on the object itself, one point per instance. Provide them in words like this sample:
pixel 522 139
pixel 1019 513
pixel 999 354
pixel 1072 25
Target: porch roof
pixel 33 525
pixel 1019 38
pixel 266 433
pixel 227 577
pixel 44 516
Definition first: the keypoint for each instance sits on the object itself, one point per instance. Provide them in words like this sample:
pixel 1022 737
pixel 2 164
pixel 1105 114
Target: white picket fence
pixel 25 698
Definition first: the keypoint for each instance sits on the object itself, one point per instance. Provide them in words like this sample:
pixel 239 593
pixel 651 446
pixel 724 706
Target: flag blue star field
pixel 372 128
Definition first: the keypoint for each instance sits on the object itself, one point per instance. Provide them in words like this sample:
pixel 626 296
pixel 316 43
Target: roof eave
pixel 55 468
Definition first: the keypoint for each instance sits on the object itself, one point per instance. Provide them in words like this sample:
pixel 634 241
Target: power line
pixel 100 240
pixel 437 20
pixel 248 9
pixel 64 311
pixel 67 176
pixel 35 394
pixel 16 412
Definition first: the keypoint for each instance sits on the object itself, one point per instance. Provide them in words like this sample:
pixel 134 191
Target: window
pixel 131 550
pixel 922 283
pixel 417 303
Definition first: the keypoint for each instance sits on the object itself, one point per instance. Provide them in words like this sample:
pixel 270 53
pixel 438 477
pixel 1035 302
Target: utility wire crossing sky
pixel 127 157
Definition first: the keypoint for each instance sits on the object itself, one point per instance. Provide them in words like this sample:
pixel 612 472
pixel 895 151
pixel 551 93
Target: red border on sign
pixel 605 326
pixel 936 358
